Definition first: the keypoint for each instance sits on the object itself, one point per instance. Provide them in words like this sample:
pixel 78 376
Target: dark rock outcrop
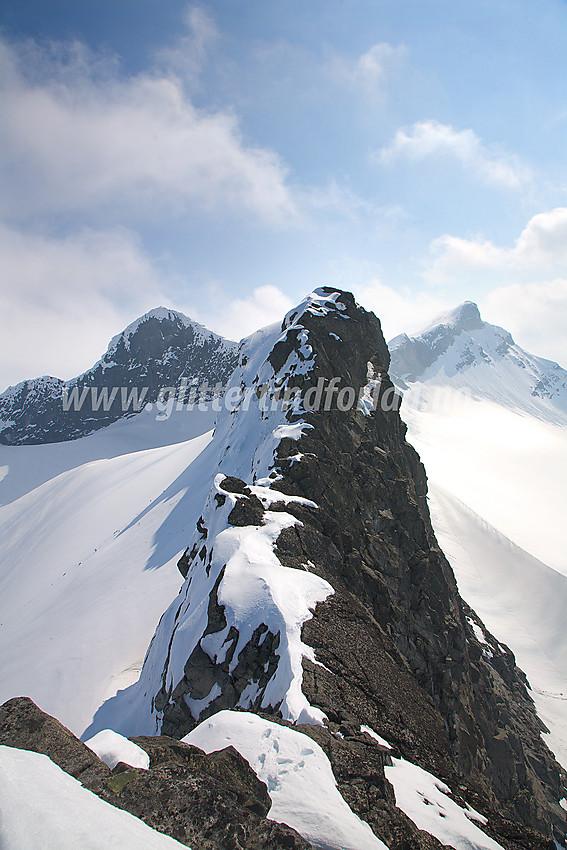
pixel 25 726
pixel 357 761
pixel 395 642
pixel 213 802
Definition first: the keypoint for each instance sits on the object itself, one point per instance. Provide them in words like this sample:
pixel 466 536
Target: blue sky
pixel 225 158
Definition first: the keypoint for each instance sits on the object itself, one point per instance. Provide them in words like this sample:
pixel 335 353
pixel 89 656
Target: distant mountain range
pixel 161 349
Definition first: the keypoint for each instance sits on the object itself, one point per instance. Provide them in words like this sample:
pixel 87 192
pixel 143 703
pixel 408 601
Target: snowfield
pixel 89 553
pixel 62 815
pixel 508 467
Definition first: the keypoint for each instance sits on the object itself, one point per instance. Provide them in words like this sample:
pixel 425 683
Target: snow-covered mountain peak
pixel 157 352
pixel 465 317
pixel 320 302
pixel 461 351
pixel 415 354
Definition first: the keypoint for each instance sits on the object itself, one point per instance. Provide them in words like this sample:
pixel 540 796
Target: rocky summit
pixel 162 350
pixel 204 801
pixel 315 594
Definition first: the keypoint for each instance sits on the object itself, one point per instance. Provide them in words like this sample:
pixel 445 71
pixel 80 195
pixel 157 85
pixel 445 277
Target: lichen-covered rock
pixel 27 727
pixel 213 802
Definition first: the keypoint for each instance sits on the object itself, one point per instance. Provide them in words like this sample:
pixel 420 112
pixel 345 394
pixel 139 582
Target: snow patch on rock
pixel 112 748
pixel 427 802
pixel 298 774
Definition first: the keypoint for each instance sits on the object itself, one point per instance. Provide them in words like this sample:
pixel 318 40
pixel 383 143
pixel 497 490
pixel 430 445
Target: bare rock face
pixel 397 648
pixel 213 802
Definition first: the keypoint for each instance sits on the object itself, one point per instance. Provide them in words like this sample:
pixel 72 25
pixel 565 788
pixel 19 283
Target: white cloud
pixel 78 137
pixel 243 316
pixel 339 199
pixel 540 249
pixel 370 71
pixel 427 139
pixel 543 242
pixel 373 66
pixel 527 280
pixel 188 54
pixel 61 299
pixel 535 314
pixel 400 310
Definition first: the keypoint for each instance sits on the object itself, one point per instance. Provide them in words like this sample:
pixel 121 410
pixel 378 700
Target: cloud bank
pixel 79 137
pixel 540 248
pixel 60 296
pixel 90 155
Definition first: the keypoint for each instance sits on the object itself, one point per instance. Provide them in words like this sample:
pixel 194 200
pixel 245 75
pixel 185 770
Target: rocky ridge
pixel 337 498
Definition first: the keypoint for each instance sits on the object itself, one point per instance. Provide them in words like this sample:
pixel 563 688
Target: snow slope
pixel 298 774
pixel 508 467
pixel 520 599
pixel 91 531
pixel 23 468
pixel 62 815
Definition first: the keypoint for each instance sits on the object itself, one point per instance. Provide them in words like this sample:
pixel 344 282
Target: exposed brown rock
pixel 213 802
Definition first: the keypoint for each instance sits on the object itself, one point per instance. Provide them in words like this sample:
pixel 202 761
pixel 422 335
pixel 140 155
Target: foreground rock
pixel 213 802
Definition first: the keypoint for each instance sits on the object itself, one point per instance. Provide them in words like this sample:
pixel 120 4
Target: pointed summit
pixel 465 317
pixel 161 325
pixel 458 349
pixel 156 351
